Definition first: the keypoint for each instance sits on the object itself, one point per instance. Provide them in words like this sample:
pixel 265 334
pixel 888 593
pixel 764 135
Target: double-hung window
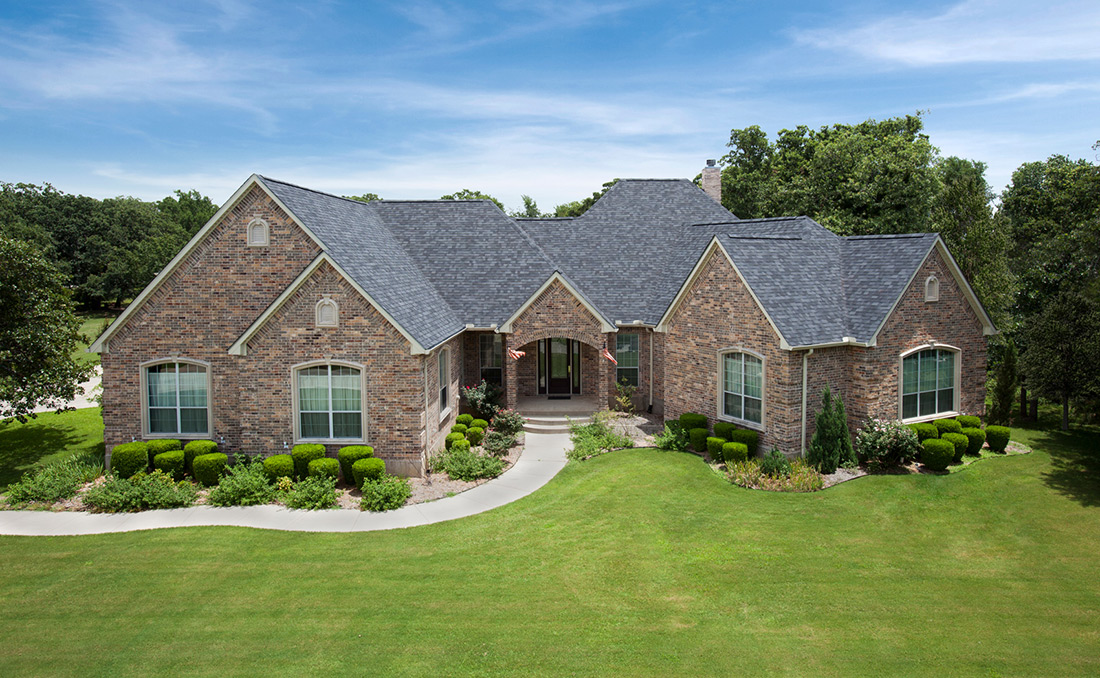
pixel 742 382
pixel 626 353
pixel 928 383
pixel 177 399
pixel 491 350
pixel 330 403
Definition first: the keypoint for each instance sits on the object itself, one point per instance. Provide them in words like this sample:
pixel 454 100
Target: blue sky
pixel 417 98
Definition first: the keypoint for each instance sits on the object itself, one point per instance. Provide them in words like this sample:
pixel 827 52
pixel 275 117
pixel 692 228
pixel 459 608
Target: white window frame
pixel 721 390
pixel 638 354
pixel 931 288
pixel 143 380
pixel 318 311
pixel 297 415
pixel 443 369
pixel 265 238
pixel 955 387
pixel 498 342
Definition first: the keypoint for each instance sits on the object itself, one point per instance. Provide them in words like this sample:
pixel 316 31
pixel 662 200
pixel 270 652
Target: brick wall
pixel 437 424
pixel 650 367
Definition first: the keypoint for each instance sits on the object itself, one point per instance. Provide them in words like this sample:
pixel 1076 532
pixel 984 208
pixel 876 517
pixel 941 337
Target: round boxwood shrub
pixel 478 423
pixel 464 419
pixel 749 438
pixel 279 466
pixel 947 426
pixel 161 445
pixel 371 468
pixel 976 436
pixel 170 462
pixel 461 445
pixel 475 434
pixel 698 438
pixel 714 447
pixel 324 468
pixel 735 452
pixel 996 436
pixel 208 468
pixel 459 428
pixel 302 455
pixel 348 456
pixel 197 448
pixel 937 453
pixel 129 458
pixel 925 431
pixel 692 420
pixel 452 438
pixel 960 442
pixel 724 429
pixel 967 421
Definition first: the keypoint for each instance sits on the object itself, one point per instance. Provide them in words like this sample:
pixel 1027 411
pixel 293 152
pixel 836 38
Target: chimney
pixel 712 181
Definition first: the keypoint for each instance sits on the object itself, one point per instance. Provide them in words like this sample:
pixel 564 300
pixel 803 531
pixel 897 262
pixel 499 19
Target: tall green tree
pixel 366 197
pixel 190 209
pixel 579 207
pixel 530 209
pixel 467 194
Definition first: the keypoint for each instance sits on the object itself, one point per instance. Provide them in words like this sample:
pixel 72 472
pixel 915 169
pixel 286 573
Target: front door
pixel 561 360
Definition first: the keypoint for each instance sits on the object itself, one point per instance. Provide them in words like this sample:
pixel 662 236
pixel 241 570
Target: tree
pixel 530 209
pixel 1005 381
pixel 191 210
pixel 38 334
pixel 366 197
pixel 579 207
pixel 467 194
pixel 831 445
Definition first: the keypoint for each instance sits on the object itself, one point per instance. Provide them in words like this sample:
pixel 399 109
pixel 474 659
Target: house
pixel 296 316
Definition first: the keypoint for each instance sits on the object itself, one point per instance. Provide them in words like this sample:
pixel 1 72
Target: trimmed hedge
pixel 171 462
pixel 925 431
pixel 937 454
pixel 161 445
pixel 279 466
pixel 459 428
pixel 724 429
pixel 976 436
pixel 478 423
pixel 996 436
pixel 462 444
pixel 749 438
pixel 323 468
pixel 692 420
pixel 348 456
pixel 475 435
pixel 735 452
pixel 208 468
pixel 129 458
pixel 714 447
pixel 197 448
pixel 960 442
pixel 698 438
pixel 947 426
pixel 452 438
pixel 464 419
pixel 302 455
pixel 371 468
pixel 968 421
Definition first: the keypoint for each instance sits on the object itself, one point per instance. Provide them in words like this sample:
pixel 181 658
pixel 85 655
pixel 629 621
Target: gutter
pixel 805 360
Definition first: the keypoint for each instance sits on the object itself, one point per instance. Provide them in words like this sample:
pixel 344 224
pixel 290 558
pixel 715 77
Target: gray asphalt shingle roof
pixel 435 266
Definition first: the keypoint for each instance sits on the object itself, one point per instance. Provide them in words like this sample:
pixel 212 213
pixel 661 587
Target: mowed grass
pixel 637 563
pixel 92 324
pixel 48 438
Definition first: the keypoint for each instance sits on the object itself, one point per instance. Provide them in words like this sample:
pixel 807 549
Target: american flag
pixel 607 354
pixel 516 355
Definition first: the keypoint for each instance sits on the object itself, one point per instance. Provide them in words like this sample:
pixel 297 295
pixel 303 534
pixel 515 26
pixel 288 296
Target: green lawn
pixel 635 563
pixel 48 438
pixel 91 326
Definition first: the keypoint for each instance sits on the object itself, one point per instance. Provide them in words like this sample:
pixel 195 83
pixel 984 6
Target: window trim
pixel 638 352
pixel 443 390
pixel 296 421
pixel 954 412
pixel 498 339
pixel 263 242
pixel 143 381
pixel 317 309
pixel 720 390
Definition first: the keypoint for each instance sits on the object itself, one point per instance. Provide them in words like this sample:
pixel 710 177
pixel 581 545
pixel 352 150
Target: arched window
pixel 932 289
pixel 741 387
pixel 328 402
pixel 257 233
pixel 175 398
pixel 929 382
pixel 328 313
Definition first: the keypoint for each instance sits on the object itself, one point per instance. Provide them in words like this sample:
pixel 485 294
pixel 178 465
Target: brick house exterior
pixel 298 316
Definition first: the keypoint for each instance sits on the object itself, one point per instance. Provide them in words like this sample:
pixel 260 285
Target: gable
pixel 557 309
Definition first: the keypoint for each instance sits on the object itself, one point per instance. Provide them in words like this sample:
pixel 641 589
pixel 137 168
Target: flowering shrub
pixel 881 443
pixel 508 422
pixel 483 399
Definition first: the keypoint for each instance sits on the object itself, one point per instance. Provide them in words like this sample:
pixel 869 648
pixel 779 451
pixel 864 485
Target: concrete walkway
pixel 543 456
pixel 84 396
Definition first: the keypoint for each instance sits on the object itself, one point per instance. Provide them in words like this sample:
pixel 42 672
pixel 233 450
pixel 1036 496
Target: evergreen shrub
pixel 997 437
pixel 747 437
pixel 976 436
pixel 735 452
pixel 371 468
pixel 960 442
pixel 478 423
pixel 161 445
pixel 925 431
pixel 937 454
pixel 459 428
pixel 968 421
pixel 171 462
pixel 475 435
pixel 348 456
pixel 947 426
pixel 208 468
pixel 831 445
pixel 302 455
pixel 724 429
pixel 698 438
pixel 452 438
pixel 464 419
pixel 129 458
pixel 197 448
pixel 324 468
pixel 714 447
pixel 775 464
pixel 279 466
pixel 692 420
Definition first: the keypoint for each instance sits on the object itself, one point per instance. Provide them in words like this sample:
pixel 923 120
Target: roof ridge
pixel 886 236
pixel 314 190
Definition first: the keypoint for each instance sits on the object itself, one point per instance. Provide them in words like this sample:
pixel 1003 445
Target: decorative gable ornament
pixel 328 313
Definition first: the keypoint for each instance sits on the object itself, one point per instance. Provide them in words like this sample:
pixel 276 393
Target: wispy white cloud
pixel 972 31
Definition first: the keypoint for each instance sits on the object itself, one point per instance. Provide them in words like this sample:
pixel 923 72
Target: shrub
pixel 302 455
pixel 831 445
pixel 55 482
pixel 484 399
pixel 459 428
pixel 734 452
pixel 161 445
pixel 508 422
pixel 462 463
pixel 370 468
pixel 925 431
pixel 724 429
pixel 698 438
pixel 967 421
pixel 750 439
pixel 595 438
pixel 692 420
pixel 937 454
pixel 452 438
pixel 348 456
pixel 461 444
pixel 129 458
pixel 497 443
pixel 673 438
pixel 1005 382
pixel 478 423
pixel 775 464
pixel 325 468
pixel 197 448
pixel 997 437
pixel 465 419
pixel 881 443
pixel 313 493
pixel 246 485
pixel 714 447
pixel 475 435
pixel 976 436
pixel 960 442
pixel 802 478
pixel 208 468
pixel 385 494
pixel 279 466
pixel 170 462
pixel 947 426
pixel 156 490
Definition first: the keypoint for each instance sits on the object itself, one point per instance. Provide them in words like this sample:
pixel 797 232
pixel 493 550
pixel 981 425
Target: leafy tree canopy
pixel 366 197
pixel 467 194
pixel 579 207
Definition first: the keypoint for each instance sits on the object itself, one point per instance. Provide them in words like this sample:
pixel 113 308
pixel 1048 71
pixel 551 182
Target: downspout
pixel 805 360
pixel 651 370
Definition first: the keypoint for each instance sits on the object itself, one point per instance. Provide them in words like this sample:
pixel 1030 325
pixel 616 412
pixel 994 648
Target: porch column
pixel 511 376
pixel 606 376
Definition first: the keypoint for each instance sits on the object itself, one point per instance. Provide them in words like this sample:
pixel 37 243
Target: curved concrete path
pixel 543 456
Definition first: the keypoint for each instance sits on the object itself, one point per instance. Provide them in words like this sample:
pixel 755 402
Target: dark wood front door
pixel 559 366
